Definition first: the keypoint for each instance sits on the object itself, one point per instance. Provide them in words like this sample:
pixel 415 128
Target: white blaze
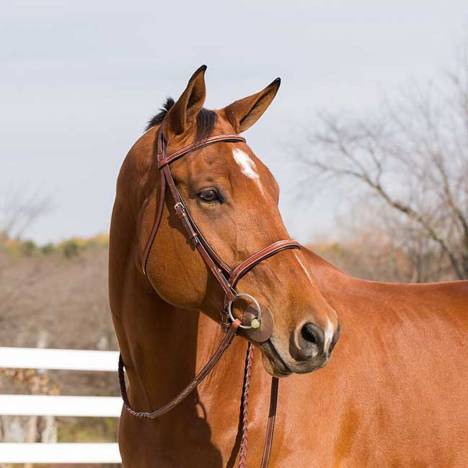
pixel 247 166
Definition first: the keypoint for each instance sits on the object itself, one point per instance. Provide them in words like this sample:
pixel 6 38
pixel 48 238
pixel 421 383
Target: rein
pixel 257 324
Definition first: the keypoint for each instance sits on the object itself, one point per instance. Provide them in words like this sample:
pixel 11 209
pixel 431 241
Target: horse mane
pixel 206 119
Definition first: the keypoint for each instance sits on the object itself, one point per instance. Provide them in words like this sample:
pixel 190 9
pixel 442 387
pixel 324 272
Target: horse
pixel 394 391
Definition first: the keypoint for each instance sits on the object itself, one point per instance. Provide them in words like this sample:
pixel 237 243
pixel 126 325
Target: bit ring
pixel 256 321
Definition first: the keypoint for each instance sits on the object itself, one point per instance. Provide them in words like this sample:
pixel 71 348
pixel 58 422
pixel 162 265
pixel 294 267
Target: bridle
pixel 255 323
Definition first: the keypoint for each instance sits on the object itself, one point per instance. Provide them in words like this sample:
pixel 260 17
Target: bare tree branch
pixel 413 158
pixel 19 210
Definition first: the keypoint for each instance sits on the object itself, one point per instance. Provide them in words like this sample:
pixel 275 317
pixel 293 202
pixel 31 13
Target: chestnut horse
pixel 394 392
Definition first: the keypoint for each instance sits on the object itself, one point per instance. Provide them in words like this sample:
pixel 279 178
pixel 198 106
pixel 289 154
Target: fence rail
pixel 58 405
pixel 55 405
pixel 61 359
pixel 59 453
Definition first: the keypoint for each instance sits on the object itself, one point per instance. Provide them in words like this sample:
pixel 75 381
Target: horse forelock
pixel 206 119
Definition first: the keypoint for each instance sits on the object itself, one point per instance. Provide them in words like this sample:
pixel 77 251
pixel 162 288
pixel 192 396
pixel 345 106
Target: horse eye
pixel 210 195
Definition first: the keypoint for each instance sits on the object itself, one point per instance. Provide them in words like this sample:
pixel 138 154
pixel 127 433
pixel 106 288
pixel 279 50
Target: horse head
pixel 231 200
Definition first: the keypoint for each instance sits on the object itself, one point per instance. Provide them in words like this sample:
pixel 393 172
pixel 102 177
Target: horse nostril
pixel 309 334
pixel 311 341
pixel 312 334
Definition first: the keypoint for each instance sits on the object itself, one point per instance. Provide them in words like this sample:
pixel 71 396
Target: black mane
pixel 205 119
pixel 159 117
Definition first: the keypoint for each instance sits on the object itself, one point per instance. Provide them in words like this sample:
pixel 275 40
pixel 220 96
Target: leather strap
pixel 156 223
pixel 192 234
pixel 204 372
pixel 271 414
pixel 196 146
pixel 271 422
pixel 245 406
pixel 245 266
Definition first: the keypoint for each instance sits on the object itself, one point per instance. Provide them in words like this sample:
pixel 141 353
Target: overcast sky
pixel 79 79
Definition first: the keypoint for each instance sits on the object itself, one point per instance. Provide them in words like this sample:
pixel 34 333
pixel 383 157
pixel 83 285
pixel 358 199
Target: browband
pixel 196 146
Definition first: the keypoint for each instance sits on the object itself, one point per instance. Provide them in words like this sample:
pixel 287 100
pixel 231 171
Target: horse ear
pixel 244 113
pixel 183 113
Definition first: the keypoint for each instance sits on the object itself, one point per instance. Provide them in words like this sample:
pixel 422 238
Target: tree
pixel 19 209
pixel 410 164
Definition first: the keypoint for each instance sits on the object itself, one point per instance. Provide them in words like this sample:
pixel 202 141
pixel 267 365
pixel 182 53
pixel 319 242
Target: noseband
pixel 256 324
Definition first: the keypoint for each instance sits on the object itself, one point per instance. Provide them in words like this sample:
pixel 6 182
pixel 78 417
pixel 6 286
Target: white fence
pixel 51 405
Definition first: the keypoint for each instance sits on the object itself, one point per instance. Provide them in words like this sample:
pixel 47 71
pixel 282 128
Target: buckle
pixel 180 209
pixel 190 232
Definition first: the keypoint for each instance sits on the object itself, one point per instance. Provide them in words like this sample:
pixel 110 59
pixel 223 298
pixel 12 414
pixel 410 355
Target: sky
pixel 79 80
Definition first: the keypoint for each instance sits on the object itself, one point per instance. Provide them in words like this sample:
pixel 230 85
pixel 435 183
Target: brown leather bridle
pixel 256 324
